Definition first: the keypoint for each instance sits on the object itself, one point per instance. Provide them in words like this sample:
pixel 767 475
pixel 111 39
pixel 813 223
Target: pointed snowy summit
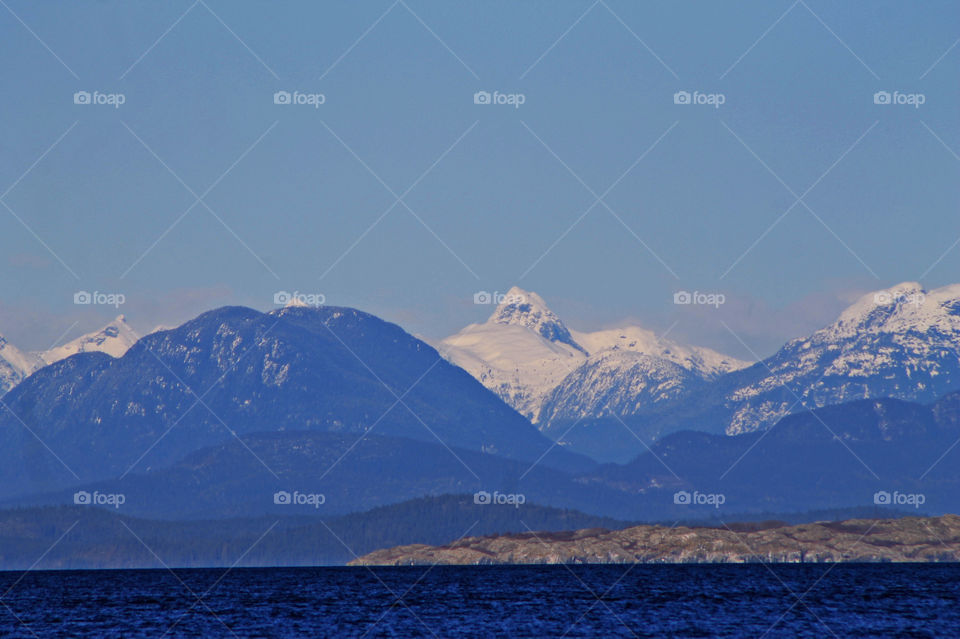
pixel 529 310
pixel 113 339
pixel 526 354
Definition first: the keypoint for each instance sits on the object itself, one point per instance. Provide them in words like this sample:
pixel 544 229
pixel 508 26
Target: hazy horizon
pixel 791 188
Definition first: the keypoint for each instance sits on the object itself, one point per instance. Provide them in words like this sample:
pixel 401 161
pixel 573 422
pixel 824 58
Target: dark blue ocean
pixel 549 601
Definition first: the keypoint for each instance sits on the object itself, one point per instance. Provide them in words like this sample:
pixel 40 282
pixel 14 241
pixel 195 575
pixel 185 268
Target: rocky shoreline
pixel 910 539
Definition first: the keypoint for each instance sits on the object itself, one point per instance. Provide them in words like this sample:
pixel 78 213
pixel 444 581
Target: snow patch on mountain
pixel 901 342
pixel 15 365
pixel 526 354
pixel 113 339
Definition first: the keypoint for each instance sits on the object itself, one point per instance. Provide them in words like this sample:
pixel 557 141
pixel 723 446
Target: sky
pixel 786 184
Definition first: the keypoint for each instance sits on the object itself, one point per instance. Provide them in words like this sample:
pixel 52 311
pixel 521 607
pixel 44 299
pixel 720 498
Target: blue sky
pixel 299 198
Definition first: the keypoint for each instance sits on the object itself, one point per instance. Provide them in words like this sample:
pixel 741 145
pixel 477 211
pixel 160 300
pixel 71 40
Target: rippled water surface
pixel 547 601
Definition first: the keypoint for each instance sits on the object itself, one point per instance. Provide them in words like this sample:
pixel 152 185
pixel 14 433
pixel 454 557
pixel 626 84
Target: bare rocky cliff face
pixel 911 539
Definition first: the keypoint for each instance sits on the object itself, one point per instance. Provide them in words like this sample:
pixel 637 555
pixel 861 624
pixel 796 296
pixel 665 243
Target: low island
pixel 908 539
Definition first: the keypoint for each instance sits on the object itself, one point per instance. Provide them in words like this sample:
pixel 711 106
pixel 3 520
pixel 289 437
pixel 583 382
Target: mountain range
pixel 527 355
pixel 213 417
pixel 235 371
pixel 15 365
pixel 608 393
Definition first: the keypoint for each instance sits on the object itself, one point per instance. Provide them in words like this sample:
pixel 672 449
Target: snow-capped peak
pixel 527 309
pixel 904 307
pixel 15 365
pixel 524 352
pixel 113 339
